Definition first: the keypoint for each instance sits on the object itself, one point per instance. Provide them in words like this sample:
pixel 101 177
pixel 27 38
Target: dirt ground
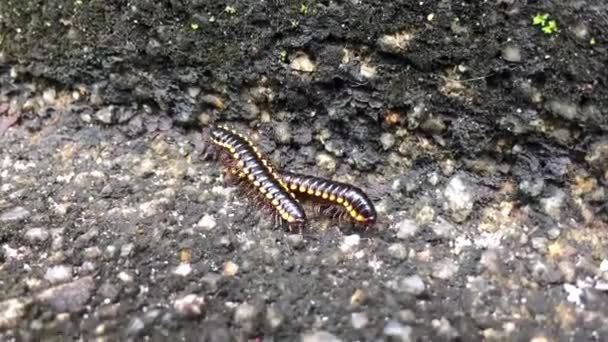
pixel 479 127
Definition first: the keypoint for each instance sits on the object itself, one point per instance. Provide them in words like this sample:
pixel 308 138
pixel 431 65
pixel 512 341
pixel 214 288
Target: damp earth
pixel 480 128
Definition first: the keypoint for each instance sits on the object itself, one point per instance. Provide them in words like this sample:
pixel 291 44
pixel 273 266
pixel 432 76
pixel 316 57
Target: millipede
pixel 351 199
pixel 245 161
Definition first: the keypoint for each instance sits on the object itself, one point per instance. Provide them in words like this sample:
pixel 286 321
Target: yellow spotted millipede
pixel 282 192
pixel 259 174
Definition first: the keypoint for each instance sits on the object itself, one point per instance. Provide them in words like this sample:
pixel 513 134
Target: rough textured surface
pixel 483 138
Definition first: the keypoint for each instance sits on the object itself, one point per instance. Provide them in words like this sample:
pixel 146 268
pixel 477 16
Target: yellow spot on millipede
pixel 310 191
pixel 340 200
pixel 269 195
pixel 286 216
pixel 332 197
pixel 302 188
pixel 325 195
pixel 293 186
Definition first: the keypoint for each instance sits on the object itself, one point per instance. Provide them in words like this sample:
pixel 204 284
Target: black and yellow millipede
pixel 239 153
pixel 282 191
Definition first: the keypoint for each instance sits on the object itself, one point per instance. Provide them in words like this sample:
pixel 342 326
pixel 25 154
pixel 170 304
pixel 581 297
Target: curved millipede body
pixel 352 199
pixel 251 167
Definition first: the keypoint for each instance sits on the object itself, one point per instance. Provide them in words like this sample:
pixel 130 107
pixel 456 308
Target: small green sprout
pixel 540 19
pixel 550 27
pixel 78 2
pixel 194 26
pixel 230 9
pixel 304 8
pixel 547 26
pixel 592 41
pixel 212 19
pixel 283 56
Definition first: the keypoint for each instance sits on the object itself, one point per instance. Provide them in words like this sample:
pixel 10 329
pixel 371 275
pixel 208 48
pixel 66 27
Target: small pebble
pixel 34 235
pixel 459 198
pixel 207 222
pixel 125 277
pixel 92 252
pixel 413 285
pixel 539 244
pixel 135 327
pixel 397 331
pixel 58 274
pixel 532 188
pixel 11 312
pixel 359 320
pixel 350 242
pixel 444 328
pixel 211 280
pixel 511 54
pixel 105 114
pixel 183 269
pixel 326 162
pixel 319 336
pixel 108 291
pixel 245 312
pixel 553 233
pixel 126 249
pixel 406 229
pixel 397 251
pixel 69 297
pixel 14 215
pixel 407 316
pixel 553 205
pixel 581 31
pixel 387 140
pixel 565 110
pixel 282 132
pixel 274 318
pixel 49 95
pixel 190 306
pixel 395 43
pixel 301 62
pixel 357 298
pixel 568 269
pixel 295 240
pixel 214 101
pixel 601 286
pixel 230 269
pixel 444 269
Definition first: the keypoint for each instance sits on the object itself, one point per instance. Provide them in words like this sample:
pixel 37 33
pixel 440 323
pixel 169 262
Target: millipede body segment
pixel 349 197
pixel 251 166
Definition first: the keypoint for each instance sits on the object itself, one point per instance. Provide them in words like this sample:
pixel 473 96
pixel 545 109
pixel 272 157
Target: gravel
pixel 459 198
pixel 70 297
pixel 413 285
pixel 488 171
pixel 14 215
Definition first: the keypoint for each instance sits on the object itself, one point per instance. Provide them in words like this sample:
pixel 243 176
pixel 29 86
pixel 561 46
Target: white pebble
pixel 207 222
pixel 58 274
pixel 183 270
pixel 34 235
pixel 349 242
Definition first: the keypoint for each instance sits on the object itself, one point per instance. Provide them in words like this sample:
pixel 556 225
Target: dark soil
pixel 484 139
